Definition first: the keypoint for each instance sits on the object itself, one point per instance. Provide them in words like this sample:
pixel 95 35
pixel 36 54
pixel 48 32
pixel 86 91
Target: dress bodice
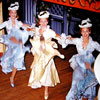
pixel 8 25
pixel 92 45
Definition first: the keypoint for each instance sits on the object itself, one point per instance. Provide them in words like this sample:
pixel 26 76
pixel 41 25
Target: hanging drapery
pixel 2 47
pixel 30 11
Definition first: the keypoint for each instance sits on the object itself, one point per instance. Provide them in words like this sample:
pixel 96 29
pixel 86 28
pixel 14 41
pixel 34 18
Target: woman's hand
pixel 57 35
pixel 20 43
pixel 88 66
pixel 69 38
pixel 14 40
pixel 33 29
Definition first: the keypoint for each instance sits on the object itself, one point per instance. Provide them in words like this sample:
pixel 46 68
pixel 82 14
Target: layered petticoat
pixel 43 70
pixel 86 87
pixel 87 90
pixel 14 55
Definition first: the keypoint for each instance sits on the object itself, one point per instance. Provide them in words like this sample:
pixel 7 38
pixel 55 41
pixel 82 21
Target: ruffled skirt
pixel 77 62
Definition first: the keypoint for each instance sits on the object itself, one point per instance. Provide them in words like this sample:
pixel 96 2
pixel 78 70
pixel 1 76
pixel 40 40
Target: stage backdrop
pixel 91 5
pixel 2 47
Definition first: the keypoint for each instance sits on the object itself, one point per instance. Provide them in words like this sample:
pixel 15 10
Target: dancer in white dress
pixel 43 68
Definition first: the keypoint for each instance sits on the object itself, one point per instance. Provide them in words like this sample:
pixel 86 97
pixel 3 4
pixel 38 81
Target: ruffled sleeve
pixel 4 24
pixel 65 41
pixel 20 23
pixel 96 45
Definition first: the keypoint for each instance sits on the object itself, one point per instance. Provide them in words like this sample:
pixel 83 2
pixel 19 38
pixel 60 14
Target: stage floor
pixel 22 92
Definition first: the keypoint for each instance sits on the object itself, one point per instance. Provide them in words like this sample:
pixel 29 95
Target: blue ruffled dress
pixel 14 55
pixel 87 86
pixel 82 86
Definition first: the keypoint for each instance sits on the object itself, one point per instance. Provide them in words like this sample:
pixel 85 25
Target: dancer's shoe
pixel 11 83
pixel 46 96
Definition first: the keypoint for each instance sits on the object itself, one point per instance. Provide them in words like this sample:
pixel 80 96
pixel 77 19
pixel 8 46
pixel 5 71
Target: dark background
pixel 75 12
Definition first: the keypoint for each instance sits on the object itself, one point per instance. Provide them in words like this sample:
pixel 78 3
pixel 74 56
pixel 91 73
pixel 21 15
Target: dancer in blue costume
pixel 15 50
pixel 83 82
pixel 13 58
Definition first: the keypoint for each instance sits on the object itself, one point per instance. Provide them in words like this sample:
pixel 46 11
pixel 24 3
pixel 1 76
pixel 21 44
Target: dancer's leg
pixel 46 93
pixel 13 76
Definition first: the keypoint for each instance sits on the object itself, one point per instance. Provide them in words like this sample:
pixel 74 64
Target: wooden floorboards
pixel 22 92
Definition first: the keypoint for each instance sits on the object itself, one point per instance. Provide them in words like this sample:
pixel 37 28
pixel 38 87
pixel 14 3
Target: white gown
pixel 43 69
pixel 97 72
